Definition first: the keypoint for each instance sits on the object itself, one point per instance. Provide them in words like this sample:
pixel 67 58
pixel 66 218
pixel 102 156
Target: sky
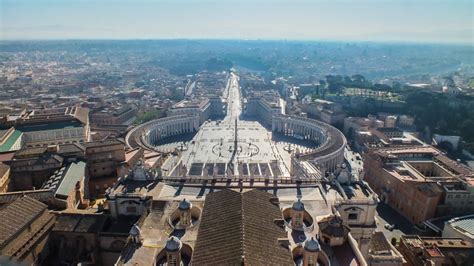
pixel 434 21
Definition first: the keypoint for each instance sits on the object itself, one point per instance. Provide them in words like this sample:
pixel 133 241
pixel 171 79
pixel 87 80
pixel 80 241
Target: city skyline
pixel 365 20
pixel 226 132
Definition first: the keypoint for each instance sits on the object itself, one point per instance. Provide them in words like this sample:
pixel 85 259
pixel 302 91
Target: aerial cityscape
pixel 221 150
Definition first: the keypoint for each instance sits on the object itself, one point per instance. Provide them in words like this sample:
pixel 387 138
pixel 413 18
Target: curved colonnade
pixel 331 142
pixel 149 133
pixel 329 153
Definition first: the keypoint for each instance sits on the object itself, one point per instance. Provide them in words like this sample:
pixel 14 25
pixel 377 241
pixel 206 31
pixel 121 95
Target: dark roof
pixel 43 160
pixel 454 165
pixel 79 223
pixel 3 169
pixel 17 215
pixel 31 151
pixel 122 110
pixel 70 148
pixel 379 242
pixel 121 225
pixel 6 156
pixel 62 149
pixel 106 142
pixel 238 228
pixel 45 125
pixel 333 226
pixel 389 129
pixel 344 255
pixel 429 189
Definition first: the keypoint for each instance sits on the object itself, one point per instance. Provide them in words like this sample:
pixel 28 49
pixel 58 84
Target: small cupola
pixel 297 214
pixel 185 217
pixel 135 234
pixel 184 205
pixel 173 251
pixel 311 250
pixel 332 230
pixel 311 245
pixel 298 205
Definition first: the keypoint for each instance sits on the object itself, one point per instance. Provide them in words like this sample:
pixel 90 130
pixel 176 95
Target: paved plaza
pixel 235 146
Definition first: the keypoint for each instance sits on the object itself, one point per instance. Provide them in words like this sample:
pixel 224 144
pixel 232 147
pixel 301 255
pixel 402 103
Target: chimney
pixel 275 201
pixel 284 242
pixel 279 222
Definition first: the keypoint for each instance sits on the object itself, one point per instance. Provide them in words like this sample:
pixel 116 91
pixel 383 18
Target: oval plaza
pixel 245 138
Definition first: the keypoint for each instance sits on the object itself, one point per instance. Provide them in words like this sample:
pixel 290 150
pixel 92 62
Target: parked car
pixel 389 227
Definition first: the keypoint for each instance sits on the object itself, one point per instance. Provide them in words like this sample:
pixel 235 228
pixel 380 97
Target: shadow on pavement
pixel 391 216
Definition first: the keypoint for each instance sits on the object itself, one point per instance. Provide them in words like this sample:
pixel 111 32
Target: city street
pixel 234 102
pixel 214 143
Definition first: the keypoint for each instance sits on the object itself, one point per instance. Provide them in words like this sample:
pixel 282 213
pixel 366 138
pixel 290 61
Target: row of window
pixel 55 143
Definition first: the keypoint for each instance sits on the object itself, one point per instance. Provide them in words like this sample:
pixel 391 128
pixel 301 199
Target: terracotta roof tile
pixel 18 214
pixel 239 228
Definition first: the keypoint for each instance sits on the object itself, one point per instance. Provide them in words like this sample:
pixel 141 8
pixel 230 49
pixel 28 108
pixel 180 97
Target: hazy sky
pixel 366 20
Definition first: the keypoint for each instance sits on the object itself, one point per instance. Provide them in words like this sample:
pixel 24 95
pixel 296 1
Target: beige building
pixel 419 182
pixel 121 201
pixel 204 107
pixel 407 180
pixel 113 116
pixel 353 125
pixel 264 105
pixel 357 210
pixel 54 126
pixel 104 156
pixel 103 161
pixel 458 198
pixel 326 111
pixel 54 133
pixel 229 228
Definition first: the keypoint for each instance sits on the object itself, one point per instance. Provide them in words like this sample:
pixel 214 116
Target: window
pixel 352 216
pixel 171 260
pixel 184 219
pixel 298 220
pixel 131 209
